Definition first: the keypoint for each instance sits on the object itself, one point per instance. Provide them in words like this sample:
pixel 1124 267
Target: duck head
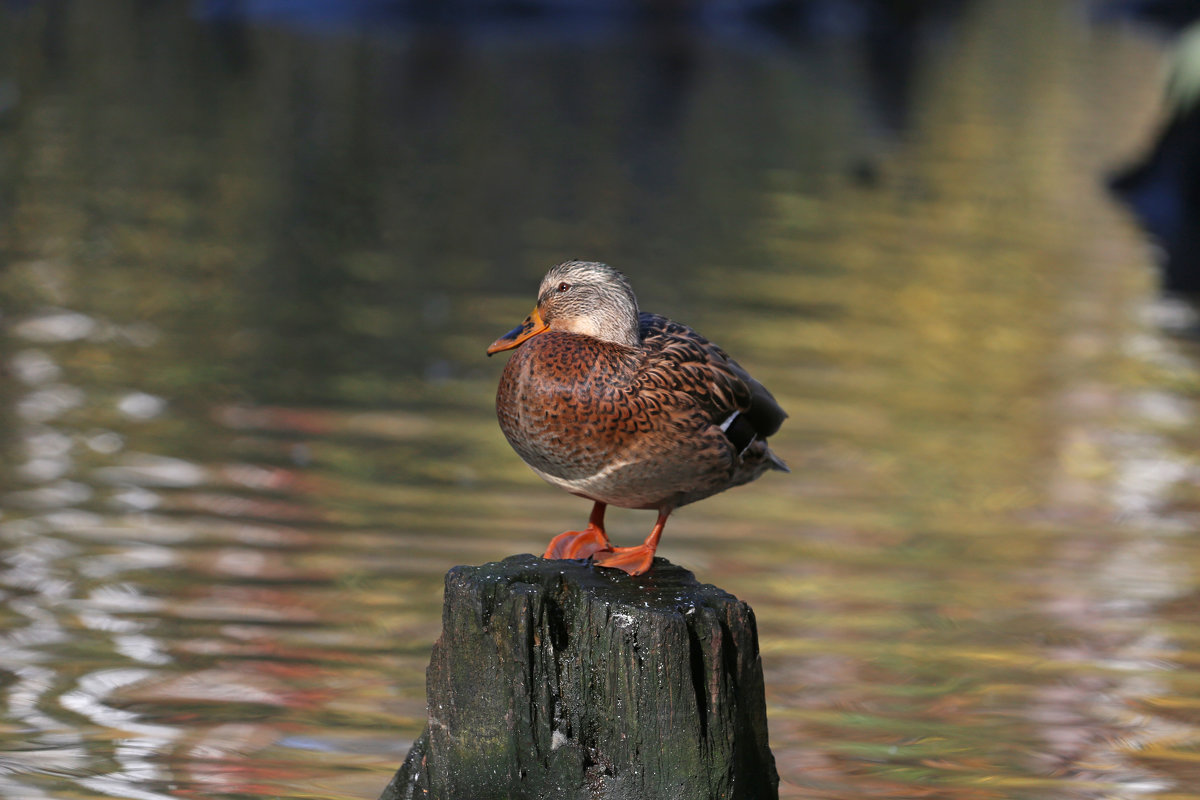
pixel 584 297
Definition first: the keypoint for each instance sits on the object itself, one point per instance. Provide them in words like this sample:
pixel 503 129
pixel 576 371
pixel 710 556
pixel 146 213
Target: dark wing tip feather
pixel 764 413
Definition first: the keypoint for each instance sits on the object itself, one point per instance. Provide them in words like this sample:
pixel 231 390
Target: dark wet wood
pixel 556 680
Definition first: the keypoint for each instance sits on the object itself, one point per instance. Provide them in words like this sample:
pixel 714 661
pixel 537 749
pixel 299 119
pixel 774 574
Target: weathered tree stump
pixel 557 680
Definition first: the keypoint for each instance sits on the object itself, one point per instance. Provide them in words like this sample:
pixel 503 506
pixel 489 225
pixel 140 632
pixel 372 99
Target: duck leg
pixel 581 544
pixel 634 560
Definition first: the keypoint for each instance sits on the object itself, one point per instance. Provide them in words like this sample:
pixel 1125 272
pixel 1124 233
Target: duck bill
pixel 532 326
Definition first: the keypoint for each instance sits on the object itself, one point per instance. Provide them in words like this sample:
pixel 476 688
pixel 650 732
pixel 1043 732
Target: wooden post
pixel 557 680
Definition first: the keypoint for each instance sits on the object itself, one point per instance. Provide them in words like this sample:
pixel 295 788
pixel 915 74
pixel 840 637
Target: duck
pixel 626 408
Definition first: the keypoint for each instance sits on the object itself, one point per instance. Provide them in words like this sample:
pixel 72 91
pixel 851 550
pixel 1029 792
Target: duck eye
pixel 562 287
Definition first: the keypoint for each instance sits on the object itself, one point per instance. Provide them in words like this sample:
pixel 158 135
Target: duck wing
pixel 681 360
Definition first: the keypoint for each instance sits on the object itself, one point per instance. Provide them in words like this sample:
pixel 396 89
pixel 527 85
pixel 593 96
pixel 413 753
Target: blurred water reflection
pixel 250 271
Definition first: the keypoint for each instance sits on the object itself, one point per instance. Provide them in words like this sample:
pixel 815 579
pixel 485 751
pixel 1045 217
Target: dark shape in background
pixel 1163 188
pixel 1167 15
pixel 1164 192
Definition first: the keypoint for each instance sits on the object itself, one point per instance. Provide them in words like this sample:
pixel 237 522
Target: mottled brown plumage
pixel 627 409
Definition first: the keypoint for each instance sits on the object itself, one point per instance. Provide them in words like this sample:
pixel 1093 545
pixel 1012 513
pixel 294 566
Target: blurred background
pixel 252 253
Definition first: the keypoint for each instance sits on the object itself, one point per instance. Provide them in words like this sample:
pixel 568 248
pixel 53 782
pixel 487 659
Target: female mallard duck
pixel 625 409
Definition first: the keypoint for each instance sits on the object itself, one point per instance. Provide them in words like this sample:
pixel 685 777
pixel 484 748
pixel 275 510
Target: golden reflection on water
pixel 250 422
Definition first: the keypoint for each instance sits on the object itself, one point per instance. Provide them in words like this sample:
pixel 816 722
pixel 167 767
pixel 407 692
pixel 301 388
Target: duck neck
pixel 622 331
pixel 621 324
pixel 618 325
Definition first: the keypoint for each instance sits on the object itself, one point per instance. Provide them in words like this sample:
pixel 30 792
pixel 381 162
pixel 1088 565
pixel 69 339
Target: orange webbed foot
pixel 634 560
pixel 578 544
pixel 581 544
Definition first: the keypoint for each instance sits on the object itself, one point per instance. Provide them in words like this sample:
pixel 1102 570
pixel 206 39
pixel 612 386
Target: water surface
pixel 251 269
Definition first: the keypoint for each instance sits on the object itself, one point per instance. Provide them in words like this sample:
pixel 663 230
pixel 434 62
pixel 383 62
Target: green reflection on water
pixel 250 276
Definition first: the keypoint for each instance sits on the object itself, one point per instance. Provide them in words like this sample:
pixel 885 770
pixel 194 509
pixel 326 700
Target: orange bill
pixel 532 326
